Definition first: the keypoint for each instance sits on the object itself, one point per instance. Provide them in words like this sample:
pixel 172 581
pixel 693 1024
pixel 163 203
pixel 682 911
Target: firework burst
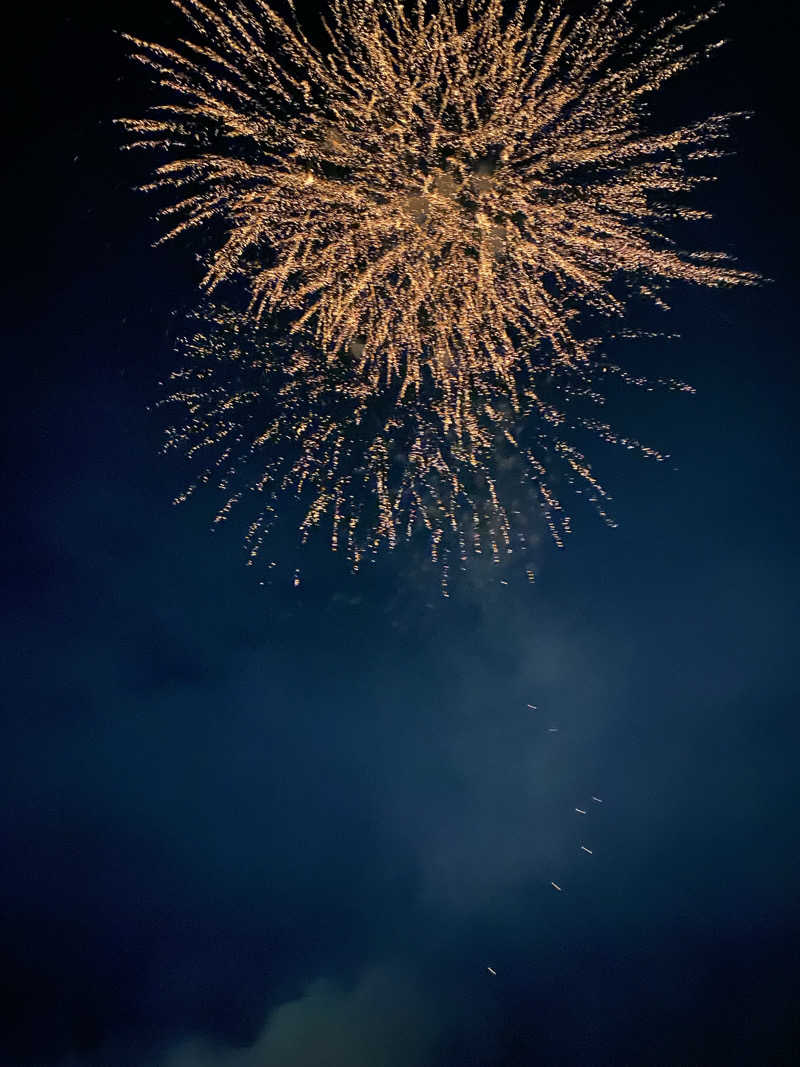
pixel 439 204
pixel 438 192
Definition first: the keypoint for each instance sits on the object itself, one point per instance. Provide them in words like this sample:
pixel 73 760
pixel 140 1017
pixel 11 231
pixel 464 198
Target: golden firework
pixel 441 189
pixel 430 211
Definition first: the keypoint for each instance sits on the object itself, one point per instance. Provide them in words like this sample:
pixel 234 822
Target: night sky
pixel 250 825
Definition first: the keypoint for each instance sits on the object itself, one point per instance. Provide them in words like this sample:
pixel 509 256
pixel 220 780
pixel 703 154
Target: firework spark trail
pixel 436 203
pixel 275 420
pixel 271 419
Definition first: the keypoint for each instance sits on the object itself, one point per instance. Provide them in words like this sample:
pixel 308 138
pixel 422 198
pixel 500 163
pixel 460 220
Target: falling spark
pixel 558 887
pixel 492 971
pixel 580 811
pixel 585 849
pixel 597 800
pixel 275 428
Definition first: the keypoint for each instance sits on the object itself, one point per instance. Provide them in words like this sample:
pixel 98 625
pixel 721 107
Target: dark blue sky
pixel 253 826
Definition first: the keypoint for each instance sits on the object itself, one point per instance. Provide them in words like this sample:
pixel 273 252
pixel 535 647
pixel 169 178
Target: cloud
pixel 383 1021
